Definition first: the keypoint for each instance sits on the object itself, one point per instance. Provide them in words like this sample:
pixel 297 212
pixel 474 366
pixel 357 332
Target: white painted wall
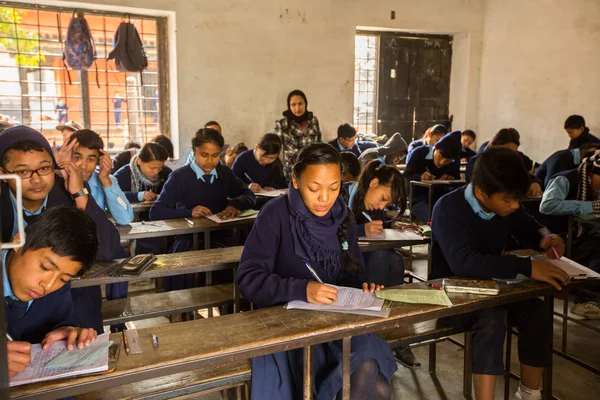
pixel 540 63
pixel 238 59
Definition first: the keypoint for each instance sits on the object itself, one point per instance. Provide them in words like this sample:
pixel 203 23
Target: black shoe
pixel 405 356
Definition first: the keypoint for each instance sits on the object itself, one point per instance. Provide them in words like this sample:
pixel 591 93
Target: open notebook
pixel 392 235
pixel 272 193
pixel 575 270
pixel 350 300
pixel 246 214
pixel 57 362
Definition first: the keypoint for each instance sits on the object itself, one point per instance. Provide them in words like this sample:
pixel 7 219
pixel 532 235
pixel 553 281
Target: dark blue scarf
pixel 315 238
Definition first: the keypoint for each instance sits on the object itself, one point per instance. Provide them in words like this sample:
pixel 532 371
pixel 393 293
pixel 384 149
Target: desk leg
pixel 308 373
pixel 410 201
pixel 547 379
pixel 346 342
pixel 430 202
pixel 565 322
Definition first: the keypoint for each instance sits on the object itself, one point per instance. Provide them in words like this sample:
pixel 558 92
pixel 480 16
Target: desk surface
pixel 458 182
pixel 172 227
pixel 241 336
pixel 141 207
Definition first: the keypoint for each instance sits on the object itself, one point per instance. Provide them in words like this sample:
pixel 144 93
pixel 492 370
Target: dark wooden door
pixel 414 84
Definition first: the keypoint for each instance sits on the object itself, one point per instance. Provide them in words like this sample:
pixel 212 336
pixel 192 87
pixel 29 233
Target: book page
pixel 272 193
pixel 348 299
pixel 393 235
pixel 90 359
pixel 569 266
pixel 416 296
pixel 247 214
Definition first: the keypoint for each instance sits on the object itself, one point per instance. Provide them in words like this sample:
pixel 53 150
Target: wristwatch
pixel 82 192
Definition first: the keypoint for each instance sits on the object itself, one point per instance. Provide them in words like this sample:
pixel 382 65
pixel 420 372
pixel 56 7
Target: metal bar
pixel 308 373
pixel 578 322
pixel 70 10
pixel 432 358
pixel 410 201
pixel 468 365
pixel 565 322
pixel 577 361
pixel 569 237
pixel 507 364
pixel 346 348
pixel 547 378
pixel 430 205
pixel 85 98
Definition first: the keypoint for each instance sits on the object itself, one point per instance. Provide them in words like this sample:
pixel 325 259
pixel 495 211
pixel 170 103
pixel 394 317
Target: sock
pixel 525 393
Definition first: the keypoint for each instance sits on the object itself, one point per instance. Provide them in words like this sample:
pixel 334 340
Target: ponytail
pixel 350 264
pixel 387 176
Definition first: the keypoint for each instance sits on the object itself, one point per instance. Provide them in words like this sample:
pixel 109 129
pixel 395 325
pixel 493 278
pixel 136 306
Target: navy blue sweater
pixel 270 273
pixel 560 161
pixel 45 314
pixel 463 244
pixel 471 166
pixel 355 149
pixel 183 191
pixel 417 164
pixel 467 153
pixel 123 176
pixel 584 138
pixel 270 175
pixel 529 163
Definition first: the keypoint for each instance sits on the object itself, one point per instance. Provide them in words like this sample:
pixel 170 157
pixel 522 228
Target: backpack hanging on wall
pixel 79 50
pixel 128 52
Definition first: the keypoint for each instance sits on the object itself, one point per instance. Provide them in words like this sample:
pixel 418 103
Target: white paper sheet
pixel 348 299
pixel 569 266
pixel 272 193
pixel 218 220
pixel 36 372
pixel 392 235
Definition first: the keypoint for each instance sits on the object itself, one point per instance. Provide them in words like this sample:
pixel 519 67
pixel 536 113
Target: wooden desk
pixel 141 207
pixel 241 336
pixel 430 185
pixel 366 246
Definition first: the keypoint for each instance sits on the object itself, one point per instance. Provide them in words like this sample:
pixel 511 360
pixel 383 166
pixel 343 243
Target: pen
pixel 190 222
pixel 367 216
pixel 10 339
pixel 545 232
pixel 126 343
pixel 248 176
pixel 312 271
pixel 436 287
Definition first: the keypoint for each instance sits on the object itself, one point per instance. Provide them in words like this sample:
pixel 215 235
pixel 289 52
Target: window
pixel 35 88
pixel 365 82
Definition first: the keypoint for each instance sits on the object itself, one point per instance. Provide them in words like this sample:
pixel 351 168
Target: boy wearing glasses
pixel 27 154
pixel 346 140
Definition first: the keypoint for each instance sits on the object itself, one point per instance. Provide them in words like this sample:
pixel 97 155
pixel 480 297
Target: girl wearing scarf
pixel 577 192
pixel 143 178
pixel 311 224
pixel 297 130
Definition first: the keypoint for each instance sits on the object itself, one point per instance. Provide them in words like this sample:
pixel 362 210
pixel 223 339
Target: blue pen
pixel 312 271
pixel 367 216
pixel 248 176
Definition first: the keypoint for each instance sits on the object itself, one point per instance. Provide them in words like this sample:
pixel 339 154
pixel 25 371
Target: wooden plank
pixel 165 303
pixel 245 335
pixel 174 227
pixel 178 384
pixel 170 265
pixel 141 207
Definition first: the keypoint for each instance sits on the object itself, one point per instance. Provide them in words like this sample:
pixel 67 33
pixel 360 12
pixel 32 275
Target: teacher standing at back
pixel 297 130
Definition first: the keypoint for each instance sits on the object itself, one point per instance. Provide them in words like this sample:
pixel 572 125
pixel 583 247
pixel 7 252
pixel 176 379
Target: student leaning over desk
pixel 39 307
pixel 311 225
pixel 470 229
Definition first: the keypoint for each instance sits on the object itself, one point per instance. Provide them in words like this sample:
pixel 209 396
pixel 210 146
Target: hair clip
pixel 345 245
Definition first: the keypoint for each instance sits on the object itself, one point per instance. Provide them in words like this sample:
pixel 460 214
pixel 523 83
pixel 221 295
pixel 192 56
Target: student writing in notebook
pixel 261 168
pixel 311 225
pixel 470 229
pixel 429 138
pixel 576 192
pixel 205 187
pixel 39 307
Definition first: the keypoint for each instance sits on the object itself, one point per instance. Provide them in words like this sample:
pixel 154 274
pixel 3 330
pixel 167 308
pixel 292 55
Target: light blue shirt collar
pixel 8 292
pixel 576 156
pixel 352 189
pixel 200 174
pixel 342 148
pixel 429 155
pixel 25 212
pixel 472 200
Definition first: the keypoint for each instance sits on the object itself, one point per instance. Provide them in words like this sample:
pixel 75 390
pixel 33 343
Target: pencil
pixel 367 216
pixel 190 222
pixel 248 176
pixel 126 343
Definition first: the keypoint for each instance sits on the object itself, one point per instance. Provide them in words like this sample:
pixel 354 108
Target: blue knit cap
pixel 20 133
pixel 450 145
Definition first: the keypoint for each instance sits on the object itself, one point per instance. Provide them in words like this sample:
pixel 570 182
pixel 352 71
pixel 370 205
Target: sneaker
pixel 524 393
pixel 405 356
pixel 587 310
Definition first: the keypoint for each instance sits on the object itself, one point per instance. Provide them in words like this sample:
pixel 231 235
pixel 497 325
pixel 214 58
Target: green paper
pixel 248 213
pixel 416 296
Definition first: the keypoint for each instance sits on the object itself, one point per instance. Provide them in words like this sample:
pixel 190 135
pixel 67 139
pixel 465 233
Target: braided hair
pixel 321 154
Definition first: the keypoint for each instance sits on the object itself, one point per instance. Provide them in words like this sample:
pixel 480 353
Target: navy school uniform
pixel 467 153
pixel 123 176
pixel 419 161
pixel 415 144
pixel 272 272
pixel 336 145
pixel 188 187
pixel 471 166
pixel 584 138
pixel 562 160
pixel 270 175
pixel 529 163
pixel 87 301
pixel 468 242
pixel 385 266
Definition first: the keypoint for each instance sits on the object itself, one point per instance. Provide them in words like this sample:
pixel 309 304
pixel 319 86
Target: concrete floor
pixel 570 382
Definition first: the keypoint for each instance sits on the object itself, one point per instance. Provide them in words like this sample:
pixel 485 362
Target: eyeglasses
pixel 28 173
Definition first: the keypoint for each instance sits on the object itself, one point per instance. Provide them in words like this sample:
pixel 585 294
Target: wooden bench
pixel 165 303
pixel 204 381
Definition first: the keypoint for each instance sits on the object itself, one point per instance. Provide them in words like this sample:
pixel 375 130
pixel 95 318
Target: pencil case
pixel 134 266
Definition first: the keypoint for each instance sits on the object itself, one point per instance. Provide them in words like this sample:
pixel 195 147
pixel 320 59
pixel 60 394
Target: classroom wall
pixel 237 60
pixel 540 63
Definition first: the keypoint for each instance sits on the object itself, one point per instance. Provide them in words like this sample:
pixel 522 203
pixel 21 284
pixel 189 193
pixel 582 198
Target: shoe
pixel 524 393
pixel 405 356
pixel 587 310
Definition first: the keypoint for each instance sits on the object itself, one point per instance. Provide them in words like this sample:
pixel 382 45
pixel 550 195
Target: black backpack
pixel 128 52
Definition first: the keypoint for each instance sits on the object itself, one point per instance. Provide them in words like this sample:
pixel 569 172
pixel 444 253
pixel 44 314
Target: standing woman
pixel 273 271
pixel 297 130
